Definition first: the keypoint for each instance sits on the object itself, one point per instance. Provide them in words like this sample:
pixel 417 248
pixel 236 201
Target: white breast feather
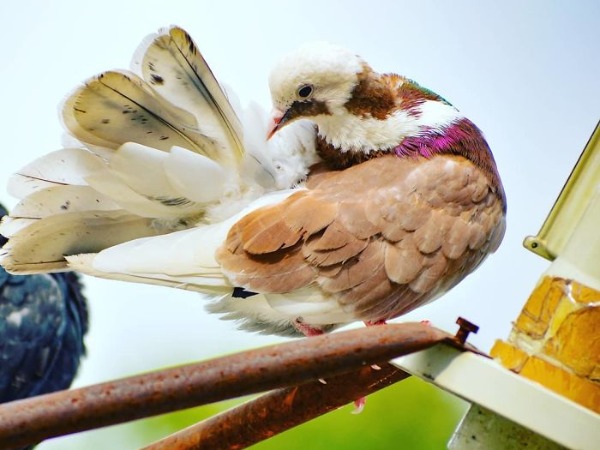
pixel 350 132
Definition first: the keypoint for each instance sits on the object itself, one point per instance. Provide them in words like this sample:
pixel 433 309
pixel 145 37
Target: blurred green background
pixel 411 414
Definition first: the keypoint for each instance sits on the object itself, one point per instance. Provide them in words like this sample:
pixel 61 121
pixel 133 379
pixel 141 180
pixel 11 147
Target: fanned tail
pixel 161 150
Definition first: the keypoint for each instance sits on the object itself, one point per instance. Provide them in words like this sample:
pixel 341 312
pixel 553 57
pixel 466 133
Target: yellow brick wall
pixel 556 340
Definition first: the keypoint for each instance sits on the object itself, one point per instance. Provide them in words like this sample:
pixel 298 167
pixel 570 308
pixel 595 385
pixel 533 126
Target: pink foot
pixel 359 405
pixel 371 323
pixel 426 322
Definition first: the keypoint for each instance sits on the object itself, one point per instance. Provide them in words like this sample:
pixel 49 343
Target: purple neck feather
pixel 461 138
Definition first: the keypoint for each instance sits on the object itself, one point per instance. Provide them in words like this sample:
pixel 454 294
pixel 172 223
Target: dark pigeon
pixel 43 320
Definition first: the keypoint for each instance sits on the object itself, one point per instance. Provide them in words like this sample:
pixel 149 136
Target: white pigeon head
pixel 316 79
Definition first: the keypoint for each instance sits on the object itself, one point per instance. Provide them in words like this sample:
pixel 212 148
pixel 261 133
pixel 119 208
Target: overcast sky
pixel 527 73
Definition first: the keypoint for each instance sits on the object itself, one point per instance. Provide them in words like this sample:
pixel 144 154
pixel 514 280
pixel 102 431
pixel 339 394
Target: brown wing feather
pixel 335 245
pixel 356 271
pixel 382 237
pixel 267 234
pixel 277 272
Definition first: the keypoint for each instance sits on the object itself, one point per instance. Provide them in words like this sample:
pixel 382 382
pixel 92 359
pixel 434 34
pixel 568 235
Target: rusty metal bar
pixel 278 411
pixel 35 419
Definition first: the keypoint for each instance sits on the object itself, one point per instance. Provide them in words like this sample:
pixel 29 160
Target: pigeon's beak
pixel 278 120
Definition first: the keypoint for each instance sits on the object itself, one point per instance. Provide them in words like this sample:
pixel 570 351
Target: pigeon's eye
pixel 305 91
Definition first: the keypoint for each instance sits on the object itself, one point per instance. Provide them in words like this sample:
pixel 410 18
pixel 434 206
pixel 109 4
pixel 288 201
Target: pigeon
pixel 43 320
pixel 361 197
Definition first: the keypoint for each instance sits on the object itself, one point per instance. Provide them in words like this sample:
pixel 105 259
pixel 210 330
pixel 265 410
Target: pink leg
pixel 359 403
pixel 371 323
pixel 306 329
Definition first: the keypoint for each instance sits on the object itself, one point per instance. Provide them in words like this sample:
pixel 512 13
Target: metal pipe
pixel 35 419
pixel 279 411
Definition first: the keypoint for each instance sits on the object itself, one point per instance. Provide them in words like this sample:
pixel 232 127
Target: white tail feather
pixel 118 107
pixel 60 199
pixel 68 166
pixel 112 186
pixel 41 245
pixel 10 226
pixel 171 63
pixel 141 168
pixel 196 177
